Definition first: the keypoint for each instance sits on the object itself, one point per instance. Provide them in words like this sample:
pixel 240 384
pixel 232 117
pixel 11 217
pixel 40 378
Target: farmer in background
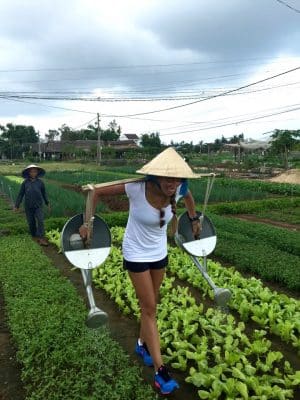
pixel 152 206
pixel 34 191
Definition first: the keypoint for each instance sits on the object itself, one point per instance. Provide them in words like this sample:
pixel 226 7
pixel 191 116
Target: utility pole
pixel 11 146
pixel 40 153
pixel 99 140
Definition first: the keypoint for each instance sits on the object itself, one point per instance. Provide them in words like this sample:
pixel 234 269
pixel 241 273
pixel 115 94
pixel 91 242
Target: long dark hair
pixel 183 192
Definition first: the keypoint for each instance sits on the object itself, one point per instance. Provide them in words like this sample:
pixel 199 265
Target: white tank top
pixel 144 240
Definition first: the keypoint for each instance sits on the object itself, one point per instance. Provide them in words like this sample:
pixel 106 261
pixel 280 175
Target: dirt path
pixel 290 176
pixel 254 218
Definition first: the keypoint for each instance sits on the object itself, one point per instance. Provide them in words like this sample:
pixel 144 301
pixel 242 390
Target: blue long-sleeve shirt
pixel 34 192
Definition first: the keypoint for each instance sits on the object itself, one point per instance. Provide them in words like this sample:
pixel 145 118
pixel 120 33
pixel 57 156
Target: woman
pixel 152 204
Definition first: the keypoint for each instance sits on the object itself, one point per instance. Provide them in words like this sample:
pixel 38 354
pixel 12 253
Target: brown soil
pixel 290 176
pixel 250 217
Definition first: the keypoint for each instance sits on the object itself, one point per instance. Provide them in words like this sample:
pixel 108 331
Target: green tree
pixel 114 127
pixel 284 141
pixel 151 140
pixel 111 134
pixel 16 139
pixel 67 133
pixel 52 134
pixel 236 139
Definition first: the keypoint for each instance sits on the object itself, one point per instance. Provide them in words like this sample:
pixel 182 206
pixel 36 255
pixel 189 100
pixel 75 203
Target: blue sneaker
pixel 143 352
pixel 164 382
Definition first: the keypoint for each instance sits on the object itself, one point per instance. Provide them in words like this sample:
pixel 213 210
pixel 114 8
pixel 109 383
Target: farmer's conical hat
pixel 25 172
pixel 170 164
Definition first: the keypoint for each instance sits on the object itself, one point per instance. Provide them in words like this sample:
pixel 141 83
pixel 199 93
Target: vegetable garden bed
pixel 253 353
pixel 211 348
pixel 60 357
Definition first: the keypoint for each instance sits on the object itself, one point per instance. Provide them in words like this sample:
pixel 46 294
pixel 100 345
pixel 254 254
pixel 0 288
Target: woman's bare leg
pixel 146 286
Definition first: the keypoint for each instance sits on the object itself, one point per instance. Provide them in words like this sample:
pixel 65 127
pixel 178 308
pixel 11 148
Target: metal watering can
pixel 87 258
pixel 201 247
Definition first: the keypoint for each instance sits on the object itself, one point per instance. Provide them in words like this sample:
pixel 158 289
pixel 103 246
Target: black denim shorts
pixel 144 266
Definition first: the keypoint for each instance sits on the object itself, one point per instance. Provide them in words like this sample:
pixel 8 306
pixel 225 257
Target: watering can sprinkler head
pixel 96 318
pixel 222 296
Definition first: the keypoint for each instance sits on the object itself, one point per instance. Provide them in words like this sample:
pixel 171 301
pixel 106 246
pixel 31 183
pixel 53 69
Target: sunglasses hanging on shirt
pixel 161 218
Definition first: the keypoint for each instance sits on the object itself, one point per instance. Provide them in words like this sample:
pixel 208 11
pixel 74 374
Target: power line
pixel 192 82
pixel 133 66
pixel 274 109
pixel 84 124
pixel 232 123
pixel 65 97
pixel 288 6
pixel 46 105
pixel 145 113
pixel 209 97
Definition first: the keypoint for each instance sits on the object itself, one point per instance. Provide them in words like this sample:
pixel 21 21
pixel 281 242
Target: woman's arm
pixel 189 203
pixel 113 190
pixel 20 196
pixel 44 194
pixel 191 209
pixel 93 199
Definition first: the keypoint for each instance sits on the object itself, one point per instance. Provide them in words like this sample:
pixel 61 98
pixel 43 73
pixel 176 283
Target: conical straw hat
pixel 170 164
pixel 25 172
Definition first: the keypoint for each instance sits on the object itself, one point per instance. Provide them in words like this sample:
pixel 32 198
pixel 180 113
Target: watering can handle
pixel 89 214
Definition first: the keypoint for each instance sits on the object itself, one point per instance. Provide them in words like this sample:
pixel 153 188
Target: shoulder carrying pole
pixel 88 187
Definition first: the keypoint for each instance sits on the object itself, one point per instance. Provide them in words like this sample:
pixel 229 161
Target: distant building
pixel 130 136
pixel 249 146
pixel 60 149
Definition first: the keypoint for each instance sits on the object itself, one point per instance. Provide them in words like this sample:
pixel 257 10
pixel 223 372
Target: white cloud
pixel 88 46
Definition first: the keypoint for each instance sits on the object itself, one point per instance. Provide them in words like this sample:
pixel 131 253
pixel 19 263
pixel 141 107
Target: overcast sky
pixel 188 69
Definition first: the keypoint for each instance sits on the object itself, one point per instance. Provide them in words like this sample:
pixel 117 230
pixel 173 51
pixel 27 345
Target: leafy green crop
pixel 61 358
pixel 279 238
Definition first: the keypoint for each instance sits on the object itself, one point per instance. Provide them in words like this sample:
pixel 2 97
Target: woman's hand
pixel 83 231
pixel 196 228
